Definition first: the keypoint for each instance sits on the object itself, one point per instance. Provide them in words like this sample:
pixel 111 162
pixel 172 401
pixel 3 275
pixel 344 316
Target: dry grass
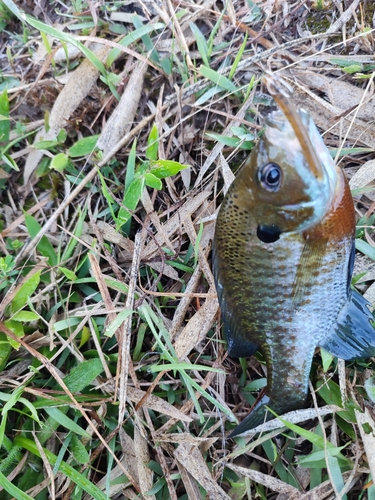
pixel 115 381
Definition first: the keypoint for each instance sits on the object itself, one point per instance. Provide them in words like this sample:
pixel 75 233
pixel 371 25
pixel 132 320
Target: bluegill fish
pixel 283 258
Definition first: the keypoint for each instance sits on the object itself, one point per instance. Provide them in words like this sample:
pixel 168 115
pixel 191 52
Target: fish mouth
pixel 296 122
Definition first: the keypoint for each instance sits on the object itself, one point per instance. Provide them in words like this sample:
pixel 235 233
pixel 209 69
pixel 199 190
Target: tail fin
pixel 353 335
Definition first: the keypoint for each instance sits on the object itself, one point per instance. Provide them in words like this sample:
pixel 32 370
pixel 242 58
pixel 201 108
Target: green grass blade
pixel 65 421
pixel 237 58
pixel 65 468
pixel 201 43
pixel 44 246
pixel 12 489
pixel 4 118
pixel 218 79
pixel 25 292
pixel 365 248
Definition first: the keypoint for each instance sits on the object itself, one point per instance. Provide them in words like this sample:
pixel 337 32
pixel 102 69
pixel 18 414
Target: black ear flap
pixel 268 234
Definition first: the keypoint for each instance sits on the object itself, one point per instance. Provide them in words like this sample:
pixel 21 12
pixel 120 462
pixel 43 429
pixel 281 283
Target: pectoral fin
pixel 238 345
pixel 308 268
pixel 353 335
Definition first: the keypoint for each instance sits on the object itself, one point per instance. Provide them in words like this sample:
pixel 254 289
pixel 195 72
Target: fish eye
pixel 269 177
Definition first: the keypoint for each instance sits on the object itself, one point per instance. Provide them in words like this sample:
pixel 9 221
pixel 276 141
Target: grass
pixel 115 382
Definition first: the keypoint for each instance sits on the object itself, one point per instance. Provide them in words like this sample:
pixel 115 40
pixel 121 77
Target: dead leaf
pixel 191 486
pixel 196 329
pixel 184 437
pixel 76 89
pixel 173 225
pixel 121 120
pixel 145 474
pixel 156 404
pixel 343 95
pixel 191 458
pixel 323 114
pixel 270 482
pixel 368 438
pixel 364 175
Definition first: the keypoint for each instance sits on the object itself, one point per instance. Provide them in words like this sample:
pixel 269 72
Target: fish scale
pixel 283 258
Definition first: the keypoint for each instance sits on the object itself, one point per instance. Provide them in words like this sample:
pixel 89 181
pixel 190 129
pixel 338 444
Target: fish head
pixel 284 191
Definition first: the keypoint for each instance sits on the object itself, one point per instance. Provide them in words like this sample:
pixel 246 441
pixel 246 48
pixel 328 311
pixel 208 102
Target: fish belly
pixel 283 299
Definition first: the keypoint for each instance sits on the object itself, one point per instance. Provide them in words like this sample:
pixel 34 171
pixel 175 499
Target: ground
pixel 122 124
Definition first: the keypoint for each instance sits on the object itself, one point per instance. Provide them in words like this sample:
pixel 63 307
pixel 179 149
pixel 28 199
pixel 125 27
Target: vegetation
pixel 120 126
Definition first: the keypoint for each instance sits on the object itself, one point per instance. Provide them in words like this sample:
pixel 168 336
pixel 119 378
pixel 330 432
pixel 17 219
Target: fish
pixel 283 257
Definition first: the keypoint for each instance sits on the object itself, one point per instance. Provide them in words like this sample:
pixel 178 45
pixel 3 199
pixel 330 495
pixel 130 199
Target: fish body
pixel 283 258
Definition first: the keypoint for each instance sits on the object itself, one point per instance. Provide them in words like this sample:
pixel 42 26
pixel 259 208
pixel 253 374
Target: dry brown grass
pixel 142 424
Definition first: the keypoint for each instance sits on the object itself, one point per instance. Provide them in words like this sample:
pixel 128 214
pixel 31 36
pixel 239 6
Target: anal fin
pixel 353 335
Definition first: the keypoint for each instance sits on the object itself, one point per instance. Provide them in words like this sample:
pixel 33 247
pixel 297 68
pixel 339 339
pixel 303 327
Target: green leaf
pixel 68 273
pixel 201 43
pixel 65 324
pixel 8 160
pixel 354 68
pixel 107 195
pixel 233 142
pixel 330 392
pixel 166 168
pixel 65 468
pixel 83 374
pixel 349 151
pixel 178 265
pixel 317 459
pixel 83 147
pixel 365 248
pixel 65 421
pixel 79 451
pixel 46 144
pixel 59 162
pixel 132 196
pixel 181 365
pixel 5 350
pixel 133 36
pixel 44 246
pixel 152 181
pixel 242 133
pixel 25 316
pixel 130 167
pixel 78 230
pixel 12 489
pixel 63 37
pixel 327 359
pixel 152 144
pixel 134 193
pixel 343 63
pixel 147 42
pixel 4 122
pixel 336 474
pixel 17 328
pixel 25 292
pixel 218 79
pixel 120 318
pixel 237 58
